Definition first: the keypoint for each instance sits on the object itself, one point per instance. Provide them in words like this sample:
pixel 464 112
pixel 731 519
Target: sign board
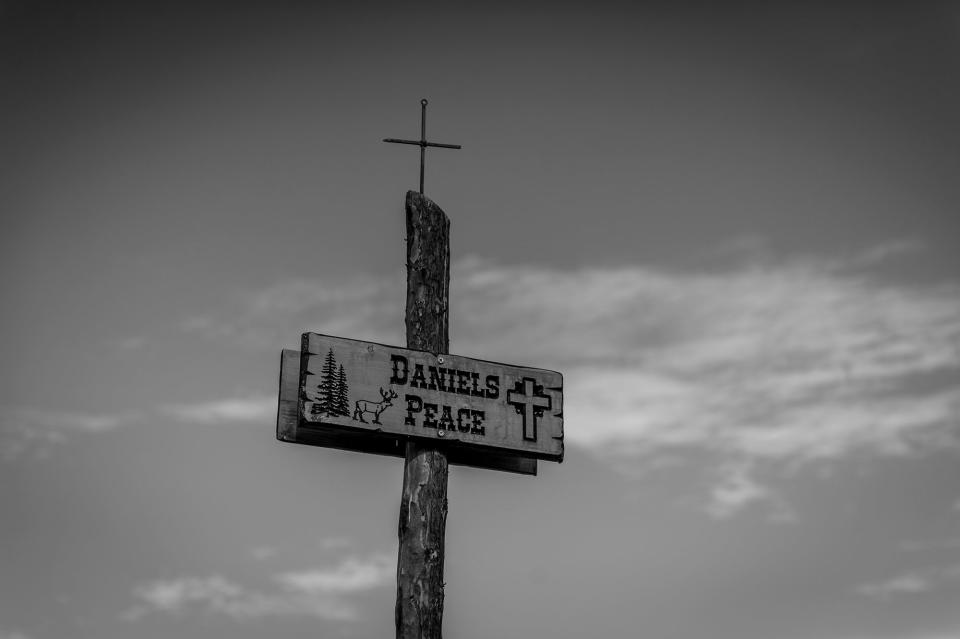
pixel 375 388
pixel 291 429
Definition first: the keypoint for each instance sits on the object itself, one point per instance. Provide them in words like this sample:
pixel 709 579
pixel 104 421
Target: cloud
pixel 947 634
pixel 174 595
pixel 921 634
pixel 65 421
pixel 322 593
pixel 362 307
pixel 131 343
pixel 26 431
pixel 15 634
pixel 263 553
pixel 733 493
pixel 236 409
pixel 793 361
pixel 912 582
pixel 335 543
pixel 32 431
pixel 883 252
pixel 351 576
pixel 939 544
pixel 737 489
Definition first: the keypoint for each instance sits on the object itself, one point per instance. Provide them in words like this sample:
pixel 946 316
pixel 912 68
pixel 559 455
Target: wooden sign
pixel 291 429
pixel 371 387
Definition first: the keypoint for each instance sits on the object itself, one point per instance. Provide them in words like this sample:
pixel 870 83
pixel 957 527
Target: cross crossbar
pixel 424 143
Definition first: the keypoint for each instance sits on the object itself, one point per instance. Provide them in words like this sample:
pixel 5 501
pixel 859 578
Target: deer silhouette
pixel 362 406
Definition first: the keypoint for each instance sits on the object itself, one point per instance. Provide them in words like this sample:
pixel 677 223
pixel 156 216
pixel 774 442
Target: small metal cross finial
pixel 422 142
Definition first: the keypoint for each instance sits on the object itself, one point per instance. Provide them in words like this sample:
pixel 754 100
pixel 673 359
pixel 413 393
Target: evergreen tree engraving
pixel 333 393
pixel 342 395
pixel 328 385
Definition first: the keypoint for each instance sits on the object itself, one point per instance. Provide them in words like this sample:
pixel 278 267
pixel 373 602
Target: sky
pixel 734 229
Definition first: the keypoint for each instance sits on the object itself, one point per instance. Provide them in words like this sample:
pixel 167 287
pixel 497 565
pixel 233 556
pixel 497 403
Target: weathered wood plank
pixel 448 398
pixel 365 441
pixel 287 413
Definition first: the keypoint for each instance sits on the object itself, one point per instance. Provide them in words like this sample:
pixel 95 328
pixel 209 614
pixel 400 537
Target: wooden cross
pixel 422 142
pixel 421 403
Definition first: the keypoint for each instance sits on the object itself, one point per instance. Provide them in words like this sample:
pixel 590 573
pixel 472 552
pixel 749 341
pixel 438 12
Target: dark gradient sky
pixel 733 228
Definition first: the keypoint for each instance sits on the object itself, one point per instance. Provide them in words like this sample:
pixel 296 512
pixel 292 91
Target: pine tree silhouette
pixel 343 399
pixel 328 385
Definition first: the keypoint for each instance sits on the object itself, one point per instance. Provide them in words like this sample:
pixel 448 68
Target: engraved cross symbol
pixel 422 142
pixel 529 401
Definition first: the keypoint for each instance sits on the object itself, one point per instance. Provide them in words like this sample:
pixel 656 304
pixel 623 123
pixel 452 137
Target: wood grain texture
pixel 423 504
pixel 428 275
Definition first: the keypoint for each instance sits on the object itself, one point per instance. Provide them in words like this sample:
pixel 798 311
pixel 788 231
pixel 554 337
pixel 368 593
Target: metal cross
pixel 422 142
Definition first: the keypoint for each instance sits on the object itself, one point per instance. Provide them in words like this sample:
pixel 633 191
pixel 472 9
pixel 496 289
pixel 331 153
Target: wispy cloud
pixel 65 421
pixel 322 592
pixel 335 543
pixel 935 544
pixel 352 575
pixel 789 361
pixel 913 582
pixel 904 584
pixel 792 361
pixel 797 361
pixel 175 594
pixel 15 634
pixel 950 633
pixel 263 553
pixel 235 409
pixel 882 253
pixel 32 431
pixel 737 489
pixel 363 307
pixel 131 343
pixel 946 634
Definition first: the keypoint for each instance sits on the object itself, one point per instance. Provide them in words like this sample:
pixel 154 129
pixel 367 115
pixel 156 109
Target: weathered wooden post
pixel 423 506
